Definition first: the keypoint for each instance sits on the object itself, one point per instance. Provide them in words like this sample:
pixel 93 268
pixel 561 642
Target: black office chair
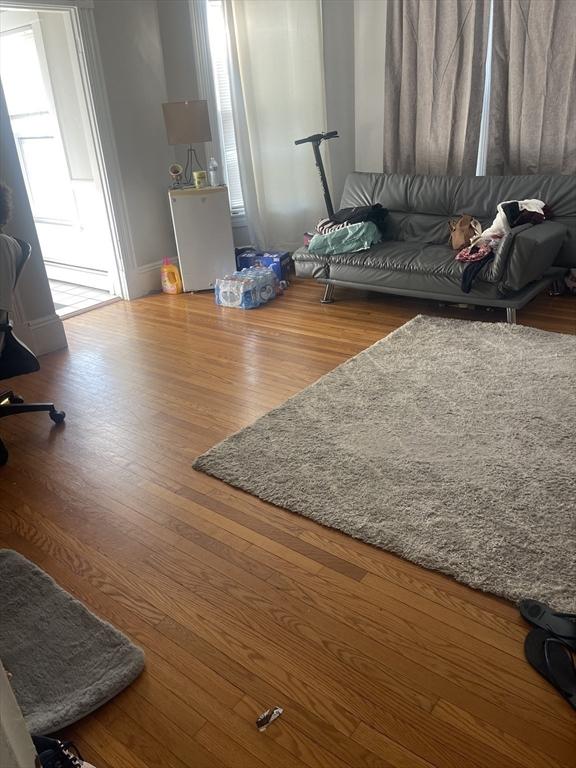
pixel 15 360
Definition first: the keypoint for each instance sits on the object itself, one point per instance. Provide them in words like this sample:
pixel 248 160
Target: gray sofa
pixel 414 257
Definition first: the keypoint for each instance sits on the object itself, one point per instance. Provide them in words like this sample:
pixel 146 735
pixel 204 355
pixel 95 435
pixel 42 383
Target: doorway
pixel 44 87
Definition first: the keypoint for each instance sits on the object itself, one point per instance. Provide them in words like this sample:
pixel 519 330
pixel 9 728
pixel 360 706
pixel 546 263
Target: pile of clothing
pixel 484 246
pixel 349 230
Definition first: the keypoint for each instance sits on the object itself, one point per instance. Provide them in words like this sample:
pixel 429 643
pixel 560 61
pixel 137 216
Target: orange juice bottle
pixel 170 275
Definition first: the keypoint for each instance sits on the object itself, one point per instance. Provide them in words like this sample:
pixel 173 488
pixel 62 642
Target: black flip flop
pixel 552 658
pixel 563 625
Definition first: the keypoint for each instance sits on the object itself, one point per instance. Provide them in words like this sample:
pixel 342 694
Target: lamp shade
pixel 187 122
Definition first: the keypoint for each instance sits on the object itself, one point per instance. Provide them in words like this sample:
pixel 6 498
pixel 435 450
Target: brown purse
pixel 462 231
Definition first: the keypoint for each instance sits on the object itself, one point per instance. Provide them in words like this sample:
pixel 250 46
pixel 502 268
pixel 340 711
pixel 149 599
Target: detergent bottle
pixel 171 280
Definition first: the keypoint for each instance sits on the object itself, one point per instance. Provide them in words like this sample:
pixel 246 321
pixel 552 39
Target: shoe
pixel 551 647
pixel 562 625
pixel 53 753
pixel 553 658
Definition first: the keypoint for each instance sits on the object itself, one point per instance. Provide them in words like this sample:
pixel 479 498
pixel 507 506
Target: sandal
pixel 563 625
pixel 553 658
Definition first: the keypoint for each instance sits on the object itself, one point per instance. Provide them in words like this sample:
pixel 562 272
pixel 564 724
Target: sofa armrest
pixel 532 251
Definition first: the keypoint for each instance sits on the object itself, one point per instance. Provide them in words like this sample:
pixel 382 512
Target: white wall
pixel 132 58
pixel 338 28
pixel 369 97
pixel 179 60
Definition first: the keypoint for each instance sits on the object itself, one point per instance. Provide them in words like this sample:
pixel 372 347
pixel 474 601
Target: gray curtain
pixel 434 66
pixel 532 122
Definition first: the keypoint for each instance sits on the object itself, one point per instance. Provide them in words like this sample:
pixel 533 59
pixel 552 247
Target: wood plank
pixel 510 747
pixel 321 556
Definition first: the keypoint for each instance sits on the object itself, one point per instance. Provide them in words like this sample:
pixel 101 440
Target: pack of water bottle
pixel 247 288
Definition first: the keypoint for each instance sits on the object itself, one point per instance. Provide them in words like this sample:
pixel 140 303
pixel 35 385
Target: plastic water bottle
pixel 213 172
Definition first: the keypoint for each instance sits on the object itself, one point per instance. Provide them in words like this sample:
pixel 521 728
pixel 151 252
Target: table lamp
pixel 187 122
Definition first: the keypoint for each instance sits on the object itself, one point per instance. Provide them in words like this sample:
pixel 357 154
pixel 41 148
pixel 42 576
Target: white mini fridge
pixel 203 231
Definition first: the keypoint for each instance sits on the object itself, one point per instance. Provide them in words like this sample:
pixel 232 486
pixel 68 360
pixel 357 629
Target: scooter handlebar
pixel 317 138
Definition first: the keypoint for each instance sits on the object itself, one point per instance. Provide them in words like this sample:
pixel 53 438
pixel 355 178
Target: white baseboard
pixel 42 335
pixel 144 280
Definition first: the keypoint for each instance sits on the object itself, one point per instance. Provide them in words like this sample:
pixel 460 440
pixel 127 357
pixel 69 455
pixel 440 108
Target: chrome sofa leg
pixel 511 315
pixel 328 297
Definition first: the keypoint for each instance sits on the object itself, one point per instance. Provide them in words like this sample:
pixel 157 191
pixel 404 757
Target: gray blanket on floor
pixel 64 661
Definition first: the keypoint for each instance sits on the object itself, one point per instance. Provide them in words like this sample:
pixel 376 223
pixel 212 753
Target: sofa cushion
pixel 412 259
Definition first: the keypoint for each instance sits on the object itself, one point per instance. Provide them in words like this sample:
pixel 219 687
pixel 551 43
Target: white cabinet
pixel 203 230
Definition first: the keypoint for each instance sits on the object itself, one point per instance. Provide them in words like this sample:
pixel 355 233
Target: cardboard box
pixel 279 261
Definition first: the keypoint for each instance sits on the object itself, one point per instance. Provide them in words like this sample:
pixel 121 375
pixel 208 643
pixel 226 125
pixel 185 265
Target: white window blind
pixel 219 56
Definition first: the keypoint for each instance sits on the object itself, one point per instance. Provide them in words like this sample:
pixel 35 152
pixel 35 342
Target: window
pixel 217 39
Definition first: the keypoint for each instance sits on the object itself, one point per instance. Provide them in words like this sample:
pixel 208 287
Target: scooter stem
pixel 316 140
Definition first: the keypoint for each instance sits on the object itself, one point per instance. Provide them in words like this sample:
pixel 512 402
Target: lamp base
pixel 188 173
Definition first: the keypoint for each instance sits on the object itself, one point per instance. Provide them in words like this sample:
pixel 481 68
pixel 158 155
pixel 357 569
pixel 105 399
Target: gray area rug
pixel 64 661
pixel 449 442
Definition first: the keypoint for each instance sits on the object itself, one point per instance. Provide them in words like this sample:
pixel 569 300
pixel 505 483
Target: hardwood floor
pixel 239 605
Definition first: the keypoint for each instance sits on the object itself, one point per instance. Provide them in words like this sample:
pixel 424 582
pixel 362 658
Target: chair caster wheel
pixel 57 416
pixel 16 400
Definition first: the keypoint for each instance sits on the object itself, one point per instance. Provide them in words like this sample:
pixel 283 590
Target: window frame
pixel 207 90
